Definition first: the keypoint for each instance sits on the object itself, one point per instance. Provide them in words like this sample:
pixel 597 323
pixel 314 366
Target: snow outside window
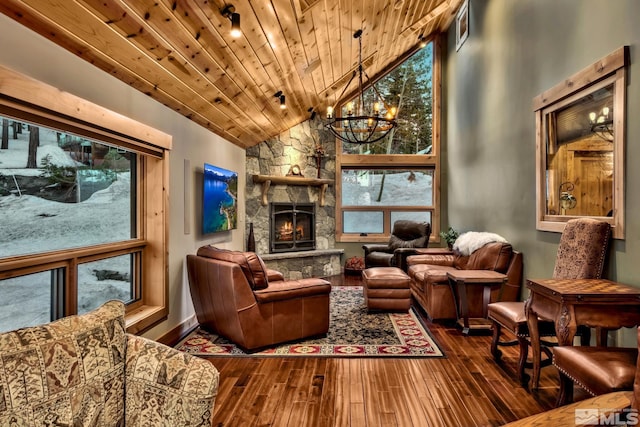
pixel 59 192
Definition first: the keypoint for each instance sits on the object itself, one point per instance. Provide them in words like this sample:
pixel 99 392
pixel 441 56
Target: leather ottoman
pixel 386 288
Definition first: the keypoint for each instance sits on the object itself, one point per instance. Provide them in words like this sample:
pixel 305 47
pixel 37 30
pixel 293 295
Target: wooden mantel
pixel 267 180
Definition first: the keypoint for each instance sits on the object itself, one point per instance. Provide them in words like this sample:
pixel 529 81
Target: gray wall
pixel 516 50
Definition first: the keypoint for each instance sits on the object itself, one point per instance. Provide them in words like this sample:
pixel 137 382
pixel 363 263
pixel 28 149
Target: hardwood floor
pixel 467 388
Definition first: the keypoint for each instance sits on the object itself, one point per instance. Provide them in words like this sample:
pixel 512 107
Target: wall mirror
pixel 580 147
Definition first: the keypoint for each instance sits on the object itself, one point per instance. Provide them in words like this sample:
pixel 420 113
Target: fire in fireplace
pixel 292 227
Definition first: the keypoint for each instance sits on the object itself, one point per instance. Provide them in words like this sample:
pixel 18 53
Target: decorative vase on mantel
pixel 251 240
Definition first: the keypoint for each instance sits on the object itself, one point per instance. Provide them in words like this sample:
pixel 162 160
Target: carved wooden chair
pixel 581 255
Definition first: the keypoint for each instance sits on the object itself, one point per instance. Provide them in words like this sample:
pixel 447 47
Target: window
pixel 82 202
pixel 398 176
pixel 56 188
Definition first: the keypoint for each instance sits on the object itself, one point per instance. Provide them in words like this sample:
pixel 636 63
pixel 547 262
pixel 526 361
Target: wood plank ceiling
pixel 181 53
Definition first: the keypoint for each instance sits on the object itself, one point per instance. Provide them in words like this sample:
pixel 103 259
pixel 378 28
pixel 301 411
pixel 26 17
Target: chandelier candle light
pixel 602 124
pixel 362 125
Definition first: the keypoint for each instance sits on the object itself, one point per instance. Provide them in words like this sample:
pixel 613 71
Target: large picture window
pixel 82 202
pixel 56 187
pixel 398 176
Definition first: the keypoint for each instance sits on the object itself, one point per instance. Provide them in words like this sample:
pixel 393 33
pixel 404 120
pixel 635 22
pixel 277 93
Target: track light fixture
pixel 229 11
pixel 422 40
pixel 280 95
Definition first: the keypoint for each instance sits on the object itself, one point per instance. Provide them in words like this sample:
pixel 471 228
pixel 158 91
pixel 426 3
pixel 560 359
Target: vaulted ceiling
pixel 181 53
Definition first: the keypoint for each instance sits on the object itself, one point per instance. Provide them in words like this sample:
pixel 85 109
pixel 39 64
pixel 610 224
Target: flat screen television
pixel 219 200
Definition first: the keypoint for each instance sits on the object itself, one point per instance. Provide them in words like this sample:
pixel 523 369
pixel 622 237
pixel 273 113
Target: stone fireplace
pixel 292 227
pixel 275 157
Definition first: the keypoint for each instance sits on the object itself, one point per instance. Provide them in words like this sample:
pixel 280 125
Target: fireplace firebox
pixel 292 227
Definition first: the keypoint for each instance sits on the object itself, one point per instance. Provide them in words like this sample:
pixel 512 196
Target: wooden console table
pixel 267 180
pixel 576 302
pixel 459 280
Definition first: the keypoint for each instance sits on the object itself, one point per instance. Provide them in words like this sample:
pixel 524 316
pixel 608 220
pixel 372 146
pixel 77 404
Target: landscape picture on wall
pixel 220 198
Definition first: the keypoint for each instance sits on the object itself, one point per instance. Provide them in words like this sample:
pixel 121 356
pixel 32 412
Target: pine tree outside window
pixel 398 176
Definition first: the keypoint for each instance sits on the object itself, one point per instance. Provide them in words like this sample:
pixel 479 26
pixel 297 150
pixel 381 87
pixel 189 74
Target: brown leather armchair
pixel 598 370
pixel 405 238
pixel 237 297
pixel 595 410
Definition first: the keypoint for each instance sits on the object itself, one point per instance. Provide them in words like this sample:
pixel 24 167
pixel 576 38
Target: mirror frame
pixel 613 69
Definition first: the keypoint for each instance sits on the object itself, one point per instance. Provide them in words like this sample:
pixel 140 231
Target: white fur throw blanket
pixel 469 242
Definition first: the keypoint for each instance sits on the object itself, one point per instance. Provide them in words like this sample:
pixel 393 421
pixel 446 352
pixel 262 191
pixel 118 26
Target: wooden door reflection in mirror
pixel 580 147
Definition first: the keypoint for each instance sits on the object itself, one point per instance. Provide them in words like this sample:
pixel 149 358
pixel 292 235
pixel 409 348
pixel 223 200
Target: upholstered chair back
pixel 494 256
pixel 582 249
pixel 409 234
pixel 86 370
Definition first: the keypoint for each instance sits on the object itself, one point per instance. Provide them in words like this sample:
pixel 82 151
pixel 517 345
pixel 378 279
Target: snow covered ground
pixel 401 188
pixel 30 224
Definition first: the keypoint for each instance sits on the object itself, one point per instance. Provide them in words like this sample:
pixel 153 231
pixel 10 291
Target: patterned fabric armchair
pixel 87 371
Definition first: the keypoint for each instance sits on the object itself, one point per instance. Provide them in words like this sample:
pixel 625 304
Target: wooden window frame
pixel 24 98
pixel 397 161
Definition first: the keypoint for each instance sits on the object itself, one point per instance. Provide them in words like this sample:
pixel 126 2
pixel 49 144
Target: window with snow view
pixel 83 206
pixel 368 195
pixel 397 177
pixel 57 188
pixel 61 191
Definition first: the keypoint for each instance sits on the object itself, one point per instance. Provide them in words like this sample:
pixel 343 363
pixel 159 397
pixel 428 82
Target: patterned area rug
pixel 352 333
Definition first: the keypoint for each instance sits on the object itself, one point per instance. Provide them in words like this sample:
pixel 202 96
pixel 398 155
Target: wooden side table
pixel 459 280
pixel 575 302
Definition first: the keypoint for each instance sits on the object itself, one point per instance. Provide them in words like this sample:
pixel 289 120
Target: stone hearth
pixel 298 265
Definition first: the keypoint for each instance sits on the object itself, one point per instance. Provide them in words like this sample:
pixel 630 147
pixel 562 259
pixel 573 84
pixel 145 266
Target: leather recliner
pixel 405 238
pixel 237 297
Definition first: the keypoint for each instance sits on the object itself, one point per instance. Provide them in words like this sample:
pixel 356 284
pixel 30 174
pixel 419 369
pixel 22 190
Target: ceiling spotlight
pixel 422 40
pixel 229 11
pixel 281 97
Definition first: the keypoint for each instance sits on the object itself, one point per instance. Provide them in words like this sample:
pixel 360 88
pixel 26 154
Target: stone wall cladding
pixel 298 268
pixel 274 157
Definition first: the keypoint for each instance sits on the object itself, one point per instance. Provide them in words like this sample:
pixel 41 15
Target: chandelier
pixel 602 124
pixel 361 124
